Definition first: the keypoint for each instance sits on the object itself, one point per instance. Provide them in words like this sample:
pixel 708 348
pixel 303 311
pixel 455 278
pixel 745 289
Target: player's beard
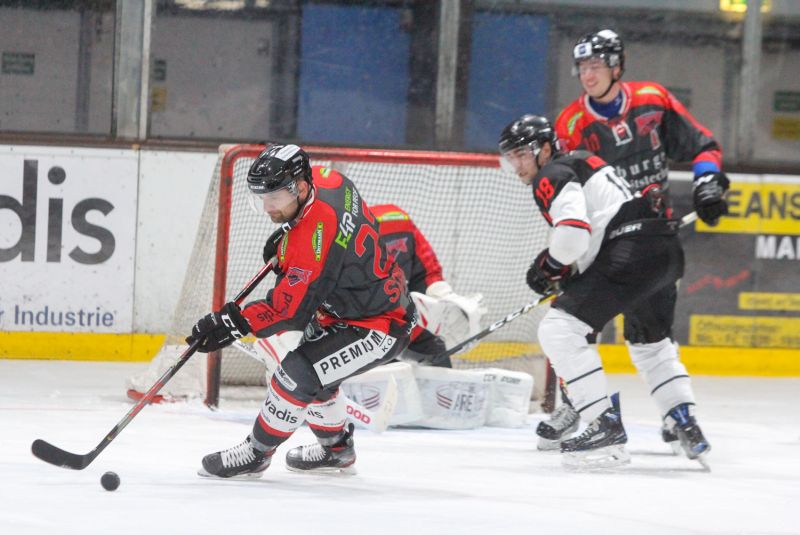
pixel 285 215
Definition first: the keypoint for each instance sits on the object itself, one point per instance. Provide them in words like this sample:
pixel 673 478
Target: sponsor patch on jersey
pixel 284 245
pixel 297 276
pixel 400 245
pixel 284 379
pixel 622 133
pixel 649 90
pixel 325 172
pixel 348 199
pixel 351 358
pixel 572 121
pixel 316 241
pixel 648 121
pixel 393 216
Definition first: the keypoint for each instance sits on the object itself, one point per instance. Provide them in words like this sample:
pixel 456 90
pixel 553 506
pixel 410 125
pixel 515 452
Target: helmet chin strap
pixel 298 215
pixel 610 85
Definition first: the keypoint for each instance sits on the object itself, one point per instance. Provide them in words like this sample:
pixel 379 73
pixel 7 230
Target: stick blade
pixel 58 457
pixel 385 412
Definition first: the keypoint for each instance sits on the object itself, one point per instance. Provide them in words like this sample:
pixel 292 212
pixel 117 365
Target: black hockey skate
pixel 562 424
pixel 669 437
pixel 683 424
pixel 339 457
pixel 601 445
pixel 242 461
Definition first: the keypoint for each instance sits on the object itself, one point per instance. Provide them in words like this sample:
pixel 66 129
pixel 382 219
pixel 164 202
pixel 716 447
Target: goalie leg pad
pixel 563 339
pixel 659 365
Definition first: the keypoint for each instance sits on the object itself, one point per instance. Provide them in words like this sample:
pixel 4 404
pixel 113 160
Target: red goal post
pixel 481 222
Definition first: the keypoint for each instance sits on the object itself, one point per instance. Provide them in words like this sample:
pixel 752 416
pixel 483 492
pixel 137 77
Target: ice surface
pixel 409 482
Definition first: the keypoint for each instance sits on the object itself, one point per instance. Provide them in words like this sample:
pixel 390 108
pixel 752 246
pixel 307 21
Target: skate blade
pixel 241 477
pixel 676 447
pixel 545 444
pixel 703 461
pixel 607 457
pixel 327 470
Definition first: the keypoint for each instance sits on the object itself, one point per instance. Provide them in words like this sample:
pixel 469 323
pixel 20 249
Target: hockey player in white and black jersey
pixel 609 250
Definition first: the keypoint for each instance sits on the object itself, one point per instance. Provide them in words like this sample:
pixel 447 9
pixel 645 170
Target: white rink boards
pixel 422 481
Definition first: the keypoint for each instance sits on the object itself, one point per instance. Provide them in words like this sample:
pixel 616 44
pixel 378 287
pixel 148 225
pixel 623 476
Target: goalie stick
pixel 376 421
pixel 58 457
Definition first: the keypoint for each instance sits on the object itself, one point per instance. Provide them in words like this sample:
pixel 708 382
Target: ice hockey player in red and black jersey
pixel 639 127
pixel 609 251
pixel 336 282
pixel 445 317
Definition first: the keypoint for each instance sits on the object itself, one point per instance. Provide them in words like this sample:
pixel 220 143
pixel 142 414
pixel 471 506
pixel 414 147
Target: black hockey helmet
pixel 277 167
pixel 528 131
pixel 605 44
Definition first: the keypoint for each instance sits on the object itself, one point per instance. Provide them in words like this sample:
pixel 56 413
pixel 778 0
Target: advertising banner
pixel 741 285
pixel 67 239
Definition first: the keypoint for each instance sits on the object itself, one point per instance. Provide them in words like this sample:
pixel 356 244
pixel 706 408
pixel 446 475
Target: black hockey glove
pixel 709 201
pixel 219 329
pixel 546 274
pixel 271 247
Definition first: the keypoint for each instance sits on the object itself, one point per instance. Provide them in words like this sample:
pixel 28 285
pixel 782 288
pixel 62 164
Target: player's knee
pixel 561 333
pixel 648 356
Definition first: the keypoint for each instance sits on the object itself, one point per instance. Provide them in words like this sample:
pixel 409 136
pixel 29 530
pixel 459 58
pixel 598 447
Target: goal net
pixel 482 224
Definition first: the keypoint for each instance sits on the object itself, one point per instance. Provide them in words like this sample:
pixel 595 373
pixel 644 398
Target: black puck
pixel 110 481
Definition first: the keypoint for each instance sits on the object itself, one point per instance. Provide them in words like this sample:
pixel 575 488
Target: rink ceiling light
pixel 740 6
pixel 220 5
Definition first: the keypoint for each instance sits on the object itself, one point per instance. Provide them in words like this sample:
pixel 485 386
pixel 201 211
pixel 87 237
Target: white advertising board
pixel 67 239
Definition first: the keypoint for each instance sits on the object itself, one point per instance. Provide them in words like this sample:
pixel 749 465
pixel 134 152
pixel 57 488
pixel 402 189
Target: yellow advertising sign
pixel 786 128
pixel 760 208
pixel 769 301
pixel 744 331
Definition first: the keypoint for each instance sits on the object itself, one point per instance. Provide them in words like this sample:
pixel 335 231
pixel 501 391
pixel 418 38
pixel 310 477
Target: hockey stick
pixel 376 421
pixel 56 456
pixel 494 326
pixel 682 222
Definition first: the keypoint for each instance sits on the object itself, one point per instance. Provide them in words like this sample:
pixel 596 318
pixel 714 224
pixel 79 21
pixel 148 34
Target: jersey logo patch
pixel 572 121
pixel 400 245
pixel 393 216
pixel 296 276
pixel 649 90
pixel 622 133
pixel 648 121
pixel 284 245
pixel 316 241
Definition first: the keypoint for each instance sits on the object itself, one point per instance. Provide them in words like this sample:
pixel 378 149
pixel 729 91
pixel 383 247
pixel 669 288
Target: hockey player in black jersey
pixel 639 127
pixel 608 252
